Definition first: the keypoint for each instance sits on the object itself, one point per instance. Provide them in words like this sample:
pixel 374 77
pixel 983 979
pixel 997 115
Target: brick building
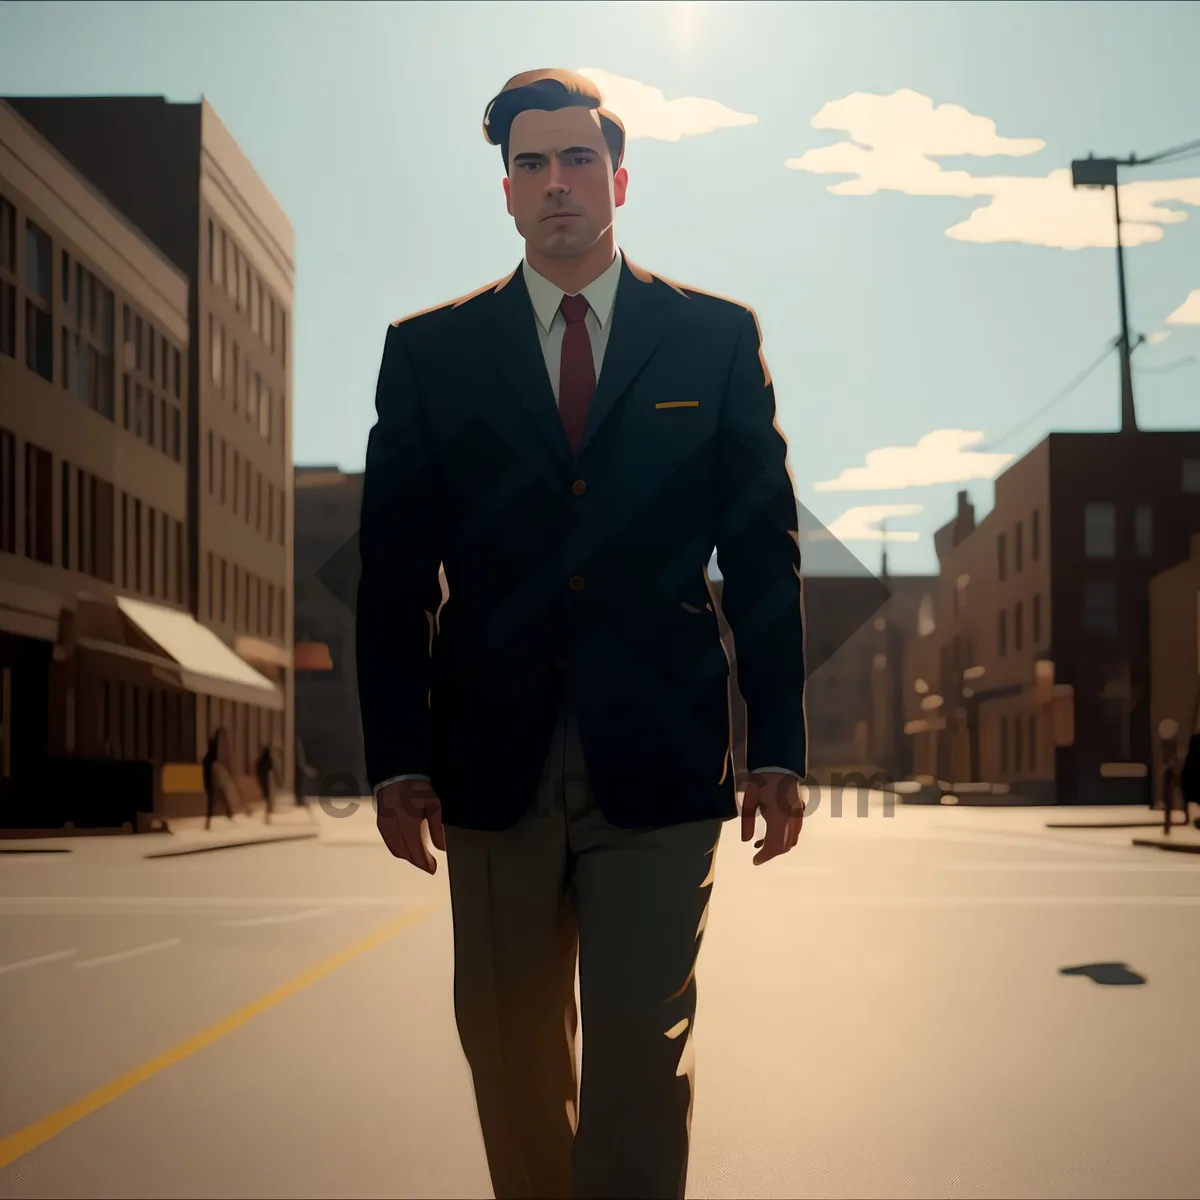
pixel 177 175
pixel 1175 652
pixel 1037 671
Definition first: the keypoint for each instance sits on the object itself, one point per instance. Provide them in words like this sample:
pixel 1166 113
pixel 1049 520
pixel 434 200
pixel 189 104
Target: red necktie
pixel 577 371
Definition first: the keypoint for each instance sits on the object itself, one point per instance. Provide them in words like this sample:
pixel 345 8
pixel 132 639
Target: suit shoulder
pixel 713 302
pixel 458 302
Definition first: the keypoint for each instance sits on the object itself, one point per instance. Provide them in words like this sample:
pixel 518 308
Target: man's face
pixel 561 189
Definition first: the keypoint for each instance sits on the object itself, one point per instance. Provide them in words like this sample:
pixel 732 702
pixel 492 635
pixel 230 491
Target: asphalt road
pixel 883 1013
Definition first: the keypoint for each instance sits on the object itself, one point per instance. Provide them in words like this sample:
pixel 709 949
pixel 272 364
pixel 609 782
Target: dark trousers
pixel 630 905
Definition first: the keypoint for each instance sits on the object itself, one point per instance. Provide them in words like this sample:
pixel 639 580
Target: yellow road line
pixel 32 1136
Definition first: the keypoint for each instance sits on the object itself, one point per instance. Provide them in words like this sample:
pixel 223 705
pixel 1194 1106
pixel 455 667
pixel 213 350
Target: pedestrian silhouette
pixel 218 782
pixel 264 768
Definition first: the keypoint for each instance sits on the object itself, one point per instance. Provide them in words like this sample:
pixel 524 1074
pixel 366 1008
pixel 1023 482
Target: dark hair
pixel 549 90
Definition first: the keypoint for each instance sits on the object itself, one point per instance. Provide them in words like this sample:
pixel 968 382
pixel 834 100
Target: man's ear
pixel 507 196
pixel 620 184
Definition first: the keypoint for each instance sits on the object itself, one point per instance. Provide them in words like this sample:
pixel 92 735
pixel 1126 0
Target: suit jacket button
pixel 577 583
pixel 579 487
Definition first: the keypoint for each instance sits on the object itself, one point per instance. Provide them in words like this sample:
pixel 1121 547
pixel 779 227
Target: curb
pixel 285 837
pixel 36 850
pixel 1113 825
pixel 1178 847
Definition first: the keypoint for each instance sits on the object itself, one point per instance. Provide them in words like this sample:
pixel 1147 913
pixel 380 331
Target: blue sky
pixel 880 327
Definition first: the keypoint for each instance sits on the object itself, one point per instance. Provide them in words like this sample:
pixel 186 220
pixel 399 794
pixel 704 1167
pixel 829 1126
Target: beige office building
pixel 174 422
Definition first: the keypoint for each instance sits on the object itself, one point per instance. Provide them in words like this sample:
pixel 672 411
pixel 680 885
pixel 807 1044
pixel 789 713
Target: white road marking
pixel 280 918
pixel 95 903
pixel 959 901
pixel 133 952
pixel 34 962
pixel 1153 867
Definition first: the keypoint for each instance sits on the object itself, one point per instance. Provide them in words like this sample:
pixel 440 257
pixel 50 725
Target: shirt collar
pixel 600 294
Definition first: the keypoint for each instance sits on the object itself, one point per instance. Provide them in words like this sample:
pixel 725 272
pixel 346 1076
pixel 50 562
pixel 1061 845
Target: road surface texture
pixel 913 1005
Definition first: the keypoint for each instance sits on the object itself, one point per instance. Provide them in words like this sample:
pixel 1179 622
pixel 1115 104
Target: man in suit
pixel 569 444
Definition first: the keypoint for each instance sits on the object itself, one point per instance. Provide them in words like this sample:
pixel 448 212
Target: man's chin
pixel 563 246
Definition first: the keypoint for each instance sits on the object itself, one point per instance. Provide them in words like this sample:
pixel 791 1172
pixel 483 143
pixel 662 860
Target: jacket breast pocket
pixel 678 404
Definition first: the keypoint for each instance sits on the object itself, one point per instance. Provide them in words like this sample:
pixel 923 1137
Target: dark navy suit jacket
pixel 578 577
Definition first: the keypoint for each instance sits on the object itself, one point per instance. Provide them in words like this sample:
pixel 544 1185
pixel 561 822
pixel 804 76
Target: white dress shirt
pixel 546 298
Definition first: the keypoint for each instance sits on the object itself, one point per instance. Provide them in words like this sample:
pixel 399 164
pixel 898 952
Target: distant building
pixel 853 680
pixel 1175 652
pixel 328 503
pixel 175 172
pixel 1036 671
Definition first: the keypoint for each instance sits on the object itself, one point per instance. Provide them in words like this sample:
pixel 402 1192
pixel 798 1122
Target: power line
pixel 1179 362
pixel 1057 398
pixel 1171 155
pixel 1175 158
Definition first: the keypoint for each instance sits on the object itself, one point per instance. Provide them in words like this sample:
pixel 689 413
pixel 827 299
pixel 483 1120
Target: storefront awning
pixel 206 664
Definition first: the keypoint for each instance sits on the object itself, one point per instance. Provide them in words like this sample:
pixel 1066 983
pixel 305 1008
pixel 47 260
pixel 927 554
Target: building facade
pixel 328 723
pixel 1036 672
pixel 176 173
pixel 1175 655
pixel 853 667
pixel 100 657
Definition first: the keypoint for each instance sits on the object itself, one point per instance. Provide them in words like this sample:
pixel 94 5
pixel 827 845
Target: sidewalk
pixel 186 835
pixel 1112 825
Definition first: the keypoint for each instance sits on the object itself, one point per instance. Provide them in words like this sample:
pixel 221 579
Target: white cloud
pixel 1188 313
pixel 896 138
pixel 647 113
pixel 862 524
pixel 942 456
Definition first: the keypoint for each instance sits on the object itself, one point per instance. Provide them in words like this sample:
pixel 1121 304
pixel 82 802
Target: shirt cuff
pixel 779 770
pixel 397 779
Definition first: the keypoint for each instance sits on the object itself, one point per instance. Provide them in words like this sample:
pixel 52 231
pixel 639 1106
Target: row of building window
pixel 1018 546
pixel 145 723
pixel 1018 626
pixel 152 367
pixel 159 725
pixel 152 419
pixel 94 536
pixel 1101 537
pixel 229 370
pixel 152 386
pixel 1101 617
pixel 1018 753
pixel 243 602
pixel 232 480
pixel 229 267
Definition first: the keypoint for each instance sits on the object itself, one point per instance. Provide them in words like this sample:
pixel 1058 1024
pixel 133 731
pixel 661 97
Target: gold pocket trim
pixel 678 404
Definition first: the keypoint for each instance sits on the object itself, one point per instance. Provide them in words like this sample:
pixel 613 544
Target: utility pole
pixel 1102 172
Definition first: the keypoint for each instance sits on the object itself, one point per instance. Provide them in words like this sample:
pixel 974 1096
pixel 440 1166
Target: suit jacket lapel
pixel 638 325
pixel 511 332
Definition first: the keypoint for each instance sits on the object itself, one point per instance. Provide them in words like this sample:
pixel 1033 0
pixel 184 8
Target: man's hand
pixel 777 796
pixel 401 811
